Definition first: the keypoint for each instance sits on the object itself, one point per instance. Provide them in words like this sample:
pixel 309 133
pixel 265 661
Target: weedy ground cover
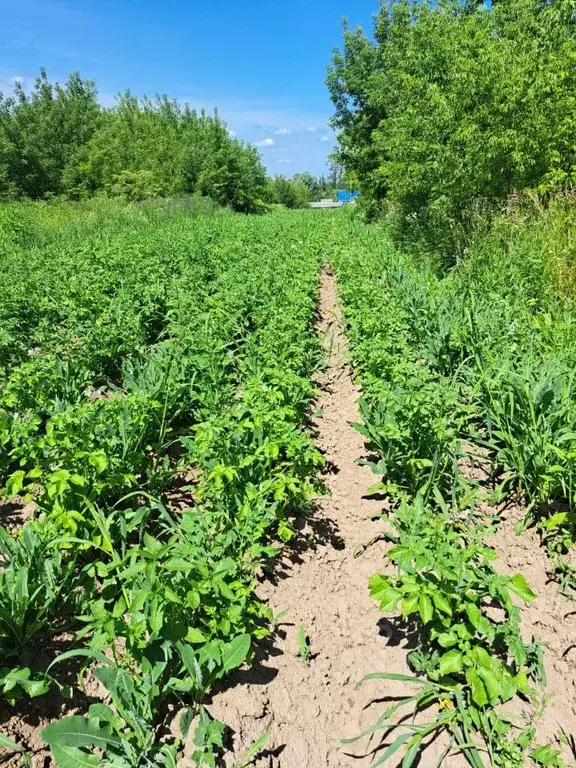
pixel 134 354
pixel 476 359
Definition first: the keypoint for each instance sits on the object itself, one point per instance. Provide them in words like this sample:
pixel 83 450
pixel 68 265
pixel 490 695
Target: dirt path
pixel 307 708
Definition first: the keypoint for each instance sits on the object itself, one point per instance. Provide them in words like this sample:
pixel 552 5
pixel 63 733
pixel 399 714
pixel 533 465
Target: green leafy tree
pixel 454 105
pixel 352 82
pixel 42 134
pixel 321 186
pixel 234 175
pixel 135 185
pixel 59 141
pixel 293 193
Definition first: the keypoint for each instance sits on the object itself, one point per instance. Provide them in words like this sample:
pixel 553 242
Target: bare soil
pixel 15 513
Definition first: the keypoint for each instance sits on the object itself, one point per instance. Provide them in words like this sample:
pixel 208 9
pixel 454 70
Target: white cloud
pixel 232 134
pixel 265 143
pixel 311 129
pixel 283 132
pixel 7 84
pixel 307 154
pixel 325 138
pixel 258 115
pixel 284 161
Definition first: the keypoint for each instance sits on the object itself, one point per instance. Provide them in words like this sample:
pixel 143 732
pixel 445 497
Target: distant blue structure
pixel 346 195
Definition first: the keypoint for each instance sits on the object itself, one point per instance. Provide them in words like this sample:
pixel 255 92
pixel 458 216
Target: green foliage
pixel 547 757
pixel 43 135
pixel 482 355
pixel 473 364
pixel 7 743
pixel 37 588
pixel 126 731
pixel 302 188
pixel 253 750
pixel 477 662
pixel 135 185
pixel 488 659
pixel 304 651
pixel 59 141
pixel 152 347
pixel 156 390
pixel 321 186
pixel 233 175
pixel 453 105
pixel 290 193
pixel 124 735
pixel 16 682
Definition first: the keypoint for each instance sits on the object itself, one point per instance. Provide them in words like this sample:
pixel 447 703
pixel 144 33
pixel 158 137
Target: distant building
pixel 326 203
pixel 347 196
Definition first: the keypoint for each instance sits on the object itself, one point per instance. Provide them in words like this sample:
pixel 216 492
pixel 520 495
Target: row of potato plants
pixel 420 416
pixel 156 386
pixel 502 329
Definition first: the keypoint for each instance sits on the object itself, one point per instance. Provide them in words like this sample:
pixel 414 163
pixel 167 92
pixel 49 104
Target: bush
pixel 135 185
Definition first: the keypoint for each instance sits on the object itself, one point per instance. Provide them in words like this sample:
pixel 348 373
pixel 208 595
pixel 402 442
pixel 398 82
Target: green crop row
pixel 156 387
pixel 496 337
pixel 429 355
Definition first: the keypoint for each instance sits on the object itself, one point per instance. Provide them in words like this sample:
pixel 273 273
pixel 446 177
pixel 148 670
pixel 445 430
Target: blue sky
pixel 261 62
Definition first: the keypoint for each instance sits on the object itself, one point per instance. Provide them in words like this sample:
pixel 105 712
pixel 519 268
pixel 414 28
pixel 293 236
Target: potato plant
pixel 155 360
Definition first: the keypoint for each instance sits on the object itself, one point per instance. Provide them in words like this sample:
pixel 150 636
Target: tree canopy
pixel 58 140
pixel 452 103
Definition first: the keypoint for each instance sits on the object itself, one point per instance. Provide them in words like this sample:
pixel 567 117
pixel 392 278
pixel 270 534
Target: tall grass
pixel 30 224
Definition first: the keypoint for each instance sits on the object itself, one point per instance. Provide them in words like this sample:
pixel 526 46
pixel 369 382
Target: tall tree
pixel 58 140
pixel 42 134
pixel 451 103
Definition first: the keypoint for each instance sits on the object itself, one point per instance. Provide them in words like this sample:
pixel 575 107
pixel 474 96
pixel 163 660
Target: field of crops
pixel 155 384
pixel 468 405
pixel 156 449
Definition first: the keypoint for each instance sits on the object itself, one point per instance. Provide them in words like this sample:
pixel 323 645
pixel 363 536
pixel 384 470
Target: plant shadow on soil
pixel 257 673
pixel 387 739
pixel 15 513
pixel 264 754
pixel 399 631
pixel 312 530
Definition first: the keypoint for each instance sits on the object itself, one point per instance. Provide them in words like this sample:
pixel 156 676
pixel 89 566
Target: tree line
pixel 451 107
pixel 58 141
pixel 302 188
